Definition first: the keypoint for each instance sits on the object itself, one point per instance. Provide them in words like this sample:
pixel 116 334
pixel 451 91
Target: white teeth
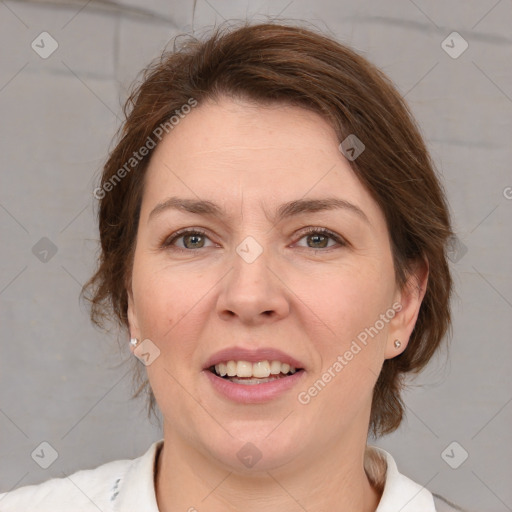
pixel 259 370
pixel 275 367
pixel 244 369
pixel 231 365
pixel 253 381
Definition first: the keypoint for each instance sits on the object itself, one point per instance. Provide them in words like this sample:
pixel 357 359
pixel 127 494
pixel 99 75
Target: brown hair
pixel 277 63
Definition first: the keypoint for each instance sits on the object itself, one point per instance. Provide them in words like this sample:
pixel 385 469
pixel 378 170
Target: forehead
pixel 238 129
pixel 234 151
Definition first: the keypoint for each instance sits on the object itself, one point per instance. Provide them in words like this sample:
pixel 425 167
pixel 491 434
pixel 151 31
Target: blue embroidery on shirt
pixel 114 488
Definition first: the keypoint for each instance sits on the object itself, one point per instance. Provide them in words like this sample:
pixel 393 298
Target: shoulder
pixel 83 491
pixel 398 491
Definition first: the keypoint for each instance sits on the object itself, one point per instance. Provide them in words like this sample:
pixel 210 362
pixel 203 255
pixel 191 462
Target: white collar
pixel 400 494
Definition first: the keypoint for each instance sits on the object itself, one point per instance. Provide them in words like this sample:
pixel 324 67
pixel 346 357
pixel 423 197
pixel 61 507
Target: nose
pixel 253 292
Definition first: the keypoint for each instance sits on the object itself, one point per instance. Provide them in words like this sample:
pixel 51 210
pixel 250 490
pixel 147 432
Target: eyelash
pixel 168 242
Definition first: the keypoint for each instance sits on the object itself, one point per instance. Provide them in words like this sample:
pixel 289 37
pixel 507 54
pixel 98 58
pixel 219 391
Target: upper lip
pixel 252 356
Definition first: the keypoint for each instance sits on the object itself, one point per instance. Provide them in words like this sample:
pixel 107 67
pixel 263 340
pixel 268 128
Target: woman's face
pixel 254 279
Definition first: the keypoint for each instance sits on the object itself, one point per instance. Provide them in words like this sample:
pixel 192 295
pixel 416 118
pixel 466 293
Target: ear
pixel 133 324
pixel 410 298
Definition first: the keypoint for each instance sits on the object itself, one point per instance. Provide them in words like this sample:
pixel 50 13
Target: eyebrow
pixel 286 210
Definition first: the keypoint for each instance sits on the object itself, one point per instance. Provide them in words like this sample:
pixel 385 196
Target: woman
pixel 274 243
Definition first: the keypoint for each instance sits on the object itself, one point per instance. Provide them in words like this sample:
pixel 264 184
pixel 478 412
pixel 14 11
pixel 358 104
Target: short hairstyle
pixel 274 63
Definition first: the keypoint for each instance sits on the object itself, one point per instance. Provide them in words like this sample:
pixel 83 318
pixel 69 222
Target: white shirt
pixel 128 485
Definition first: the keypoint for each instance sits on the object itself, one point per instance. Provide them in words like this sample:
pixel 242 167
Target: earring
pixel 398 344
pixel 133 342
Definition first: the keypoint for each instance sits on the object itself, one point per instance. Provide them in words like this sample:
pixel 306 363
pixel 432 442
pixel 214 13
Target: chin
pixel 250 454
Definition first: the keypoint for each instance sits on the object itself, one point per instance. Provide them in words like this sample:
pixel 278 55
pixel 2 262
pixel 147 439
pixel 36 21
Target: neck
pixel 187 480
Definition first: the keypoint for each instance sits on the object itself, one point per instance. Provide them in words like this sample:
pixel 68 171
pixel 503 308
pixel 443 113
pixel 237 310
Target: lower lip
pixel 253 393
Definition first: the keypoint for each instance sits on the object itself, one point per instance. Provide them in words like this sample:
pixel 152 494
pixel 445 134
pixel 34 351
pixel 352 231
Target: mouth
pixel 246 376
pixel 247 373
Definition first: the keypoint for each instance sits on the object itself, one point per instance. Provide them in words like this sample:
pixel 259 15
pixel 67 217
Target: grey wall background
pixel 63 382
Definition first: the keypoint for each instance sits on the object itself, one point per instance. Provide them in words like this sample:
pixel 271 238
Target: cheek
pixel 167 308
pixel 350 304
pixel 350 299
pixel 163 298
pixel 171 308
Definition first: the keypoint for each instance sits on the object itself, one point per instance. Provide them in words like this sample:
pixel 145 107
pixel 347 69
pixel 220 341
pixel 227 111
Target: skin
pixel 301 296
